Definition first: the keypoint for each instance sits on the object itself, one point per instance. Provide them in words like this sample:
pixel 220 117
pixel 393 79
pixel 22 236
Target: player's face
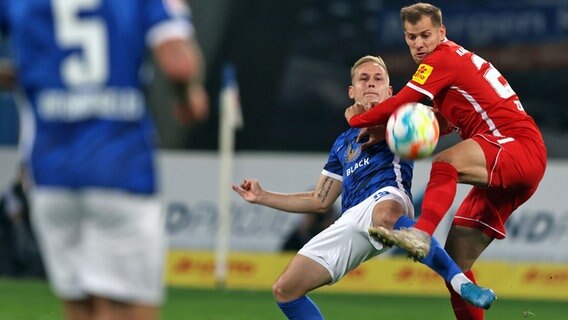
pixel 370 84
pixel 423 37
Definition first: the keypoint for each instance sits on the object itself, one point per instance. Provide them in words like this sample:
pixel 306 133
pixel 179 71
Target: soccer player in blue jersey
pixel 375 187
pixel 88 143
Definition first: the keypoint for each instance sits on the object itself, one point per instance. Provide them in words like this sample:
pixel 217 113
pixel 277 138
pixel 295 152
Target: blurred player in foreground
pixel 375 189
pixel 502 154
pixel 89 143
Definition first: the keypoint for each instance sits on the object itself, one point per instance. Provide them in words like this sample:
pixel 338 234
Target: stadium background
pixel 292 60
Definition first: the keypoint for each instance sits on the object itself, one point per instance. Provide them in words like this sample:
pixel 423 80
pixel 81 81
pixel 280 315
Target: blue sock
pixel 437 259
pixel 302 308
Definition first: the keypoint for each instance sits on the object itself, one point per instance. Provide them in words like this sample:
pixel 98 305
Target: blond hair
pixel 415 12
pixel 375 59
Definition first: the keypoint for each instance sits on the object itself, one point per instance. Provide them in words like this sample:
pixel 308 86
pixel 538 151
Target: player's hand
pixel 196 107
pixel 354 110
pixel 249 190
pixel 371 136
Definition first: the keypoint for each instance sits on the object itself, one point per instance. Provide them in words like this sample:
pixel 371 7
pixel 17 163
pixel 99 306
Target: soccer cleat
pixel 416 242
pixel 477 296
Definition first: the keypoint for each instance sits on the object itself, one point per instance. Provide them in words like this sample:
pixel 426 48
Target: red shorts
pixel 515 167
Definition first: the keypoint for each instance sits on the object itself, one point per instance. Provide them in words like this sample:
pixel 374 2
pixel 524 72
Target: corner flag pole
pixel 230 120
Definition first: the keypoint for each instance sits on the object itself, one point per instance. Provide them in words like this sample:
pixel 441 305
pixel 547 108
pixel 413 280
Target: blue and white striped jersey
pixel 84 120
pixel 363 172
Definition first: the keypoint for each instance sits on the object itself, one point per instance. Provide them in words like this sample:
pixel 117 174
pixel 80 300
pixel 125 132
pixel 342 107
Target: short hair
pixel 375 59
pixel 415 12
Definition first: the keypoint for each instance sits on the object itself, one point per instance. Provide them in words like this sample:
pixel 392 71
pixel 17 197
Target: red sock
pixel 462 309
pixel 438 197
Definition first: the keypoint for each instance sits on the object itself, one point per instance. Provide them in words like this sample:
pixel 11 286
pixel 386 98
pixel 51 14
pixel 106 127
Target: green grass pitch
pixel 32 300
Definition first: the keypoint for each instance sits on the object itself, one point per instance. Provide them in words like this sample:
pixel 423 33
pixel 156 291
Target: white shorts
pixel 101 242
pixel 346 244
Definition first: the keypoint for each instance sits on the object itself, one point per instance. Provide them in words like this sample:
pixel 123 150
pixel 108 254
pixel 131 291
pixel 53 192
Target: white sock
pixel 457 282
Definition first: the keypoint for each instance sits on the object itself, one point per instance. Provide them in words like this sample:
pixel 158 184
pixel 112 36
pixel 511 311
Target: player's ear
pixel 351 92
pixel 443 31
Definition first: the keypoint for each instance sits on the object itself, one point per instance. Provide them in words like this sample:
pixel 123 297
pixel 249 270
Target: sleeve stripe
pixel 417 88
pixel 168 30
pixel 332 175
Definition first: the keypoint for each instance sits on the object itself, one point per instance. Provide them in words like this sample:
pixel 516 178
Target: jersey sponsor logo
pixel 422 74
pixel 359 164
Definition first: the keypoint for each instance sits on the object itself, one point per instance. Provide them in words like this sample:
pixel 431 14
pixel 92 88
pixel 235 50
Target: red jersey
pixel 467 90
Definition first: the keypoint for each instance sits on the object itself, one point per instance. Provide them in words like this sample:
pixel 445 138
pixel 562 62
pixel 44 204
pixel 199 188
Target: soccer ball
pixel 412 131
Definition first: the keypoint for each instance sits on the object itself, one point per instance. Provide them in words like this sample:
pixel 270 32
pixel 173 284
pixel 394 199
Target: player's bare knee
pixel 281 293
pixel 386 213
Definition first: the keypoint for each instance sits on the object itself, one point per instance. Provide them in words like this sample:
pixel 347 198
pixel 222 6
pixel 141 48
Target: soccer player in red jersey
pixel 502 154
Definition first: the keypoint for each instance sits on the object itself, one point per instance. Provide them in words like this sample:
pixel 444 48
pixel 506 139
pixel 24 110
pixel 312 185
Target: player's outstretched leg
pixel 415 241
pixel 477 296
pixel 439 261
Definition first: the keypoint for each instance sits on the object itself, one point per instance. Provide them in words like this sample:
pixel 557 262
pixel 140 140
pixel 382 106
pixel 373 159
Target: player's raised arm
pixel 319 200
pixel 379 113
